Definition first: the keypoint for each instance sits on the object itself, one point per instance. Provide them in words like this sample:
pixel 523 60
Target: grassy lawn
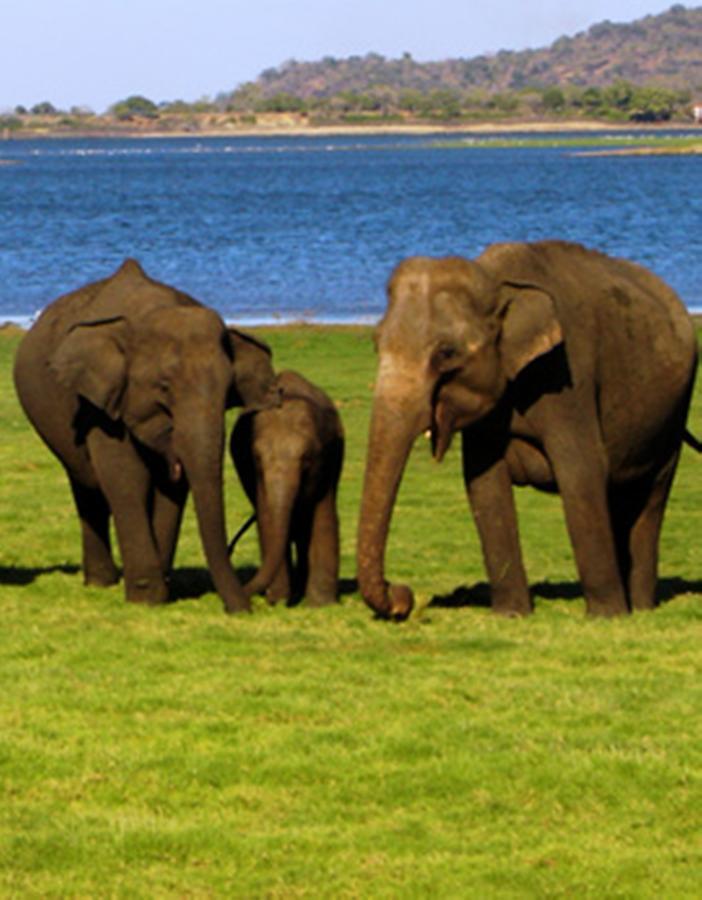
pixel 176 752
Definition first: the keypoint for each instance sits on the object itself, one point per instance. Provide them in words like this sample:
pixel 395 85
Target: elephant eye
pixel 444 354
pixel 163 395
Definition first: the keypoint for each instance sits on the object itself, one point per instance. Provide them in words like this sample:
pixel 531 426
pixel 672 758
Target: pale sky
pixel 96 52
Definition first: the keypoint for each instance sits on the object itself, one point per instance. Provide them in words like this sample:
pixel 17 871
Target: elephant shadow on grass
pixel 186 583
pixel 19 576
pixel 190 583
pixel 479 594
pixel 193 582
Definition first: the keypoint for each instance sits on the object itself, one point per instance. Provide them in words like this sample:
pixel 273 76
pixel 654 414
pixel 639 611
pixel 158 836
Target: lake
pixel 289 228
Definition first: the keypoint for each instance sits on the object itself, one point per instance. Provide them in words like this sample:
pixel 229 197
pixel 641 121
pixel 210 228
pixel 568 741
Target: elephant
pixel 289 461
pixel 127 381
pixel 563 368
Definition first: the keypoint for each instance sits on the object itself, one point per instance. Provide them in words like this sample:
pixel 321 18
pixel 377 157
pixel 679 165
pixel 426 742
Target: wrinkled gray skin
pixel 564 369
pixel 289 461
pixel 127 381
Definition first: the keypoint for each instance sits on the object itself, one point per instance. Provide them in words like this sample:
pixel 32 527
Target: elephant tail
pixel 692 441
pixel 241 532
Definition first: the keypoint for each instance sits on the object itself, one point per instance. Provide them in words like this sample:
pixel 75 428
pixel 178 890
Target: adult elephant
pixel 289 462
pixel 127 381
pixel 564 369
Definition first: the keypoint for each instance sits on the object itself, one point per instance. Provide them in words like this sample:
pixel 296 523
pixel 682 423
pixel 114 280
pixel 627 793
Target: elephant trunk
pixel 274 507
pixel 392 433
pixel 202 460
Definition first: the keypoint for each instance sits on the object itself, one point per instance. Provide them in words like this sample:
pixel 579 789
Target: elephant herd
pixel 562 368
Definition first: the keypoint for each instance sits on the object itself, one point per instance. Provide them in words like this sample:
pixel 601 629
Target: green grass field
pixel 178 752
pixel 607 141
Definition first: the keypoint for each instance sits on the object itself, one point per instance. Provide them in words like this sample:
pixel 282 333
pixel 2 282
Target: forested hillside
pixel 648 70
pixel 665 50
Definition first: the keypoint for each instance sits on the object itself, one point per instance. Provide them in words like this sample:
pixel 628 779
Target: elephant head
pixel 452 339
pixel 165 377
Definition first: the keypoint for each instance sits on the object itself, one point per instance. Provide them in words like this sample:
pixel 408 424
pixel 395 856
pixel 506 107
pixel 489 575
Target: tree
pixel 592 99
pixel 652 104
pixel 553 99
pixel 44 109
pixel 503 102
pixel 10 123
pixel 445 104
pixel 244 98
pixel 412 101
pixel 282 102
pixel 619 95
pixel 136 105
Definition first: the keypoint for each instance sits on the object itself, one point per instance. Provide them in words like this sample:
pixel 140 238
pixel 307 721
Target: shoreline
pixel 281 130
pixel 646 139
pixel 281 127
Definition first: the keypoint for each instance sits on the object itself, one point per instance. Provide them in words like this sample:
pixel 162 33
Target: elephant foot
pixel 513 611
pixel 315 599
pixel 606 602
pixel 322 589
pixel 272 593
pixel 514 604
pixel 643 607
pixel 100 577
pixel 606 610
pixel 149 591
pixel 236 607
pixel 643 602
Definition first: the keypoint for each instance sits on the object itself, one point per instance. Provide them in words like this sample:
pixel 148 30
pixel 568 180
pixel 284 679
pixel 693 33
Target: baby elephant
pixel 289 461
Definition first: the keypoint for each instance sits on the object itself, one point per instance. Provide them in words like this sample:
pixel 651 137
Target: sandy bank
pixel 282 125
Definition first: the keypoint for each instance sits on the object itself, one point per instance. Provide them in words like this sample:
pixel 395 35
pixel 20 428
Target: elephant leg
pixel 280 588
pixel 299 562
pixel 323 554
pixel 94 514
pixel 581 476
pixel 126 482
pixel 168 505
pixel 492 502
pixel 640 524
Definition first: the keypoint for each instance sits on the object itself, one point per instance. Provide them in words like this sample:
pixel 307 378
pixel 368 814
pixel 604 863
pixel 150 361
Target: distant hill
pixel 663 50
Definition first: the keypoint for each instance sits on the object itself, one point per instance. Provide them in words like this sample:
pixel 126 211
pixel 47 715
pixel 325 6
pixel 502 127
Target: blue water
pixel 310 227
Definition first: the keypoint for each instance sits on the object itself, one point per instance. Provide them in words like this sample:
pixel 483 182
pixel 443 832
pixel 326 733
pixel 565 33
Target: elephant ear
pixel 530 327
pixel 254 384
pixel 91 361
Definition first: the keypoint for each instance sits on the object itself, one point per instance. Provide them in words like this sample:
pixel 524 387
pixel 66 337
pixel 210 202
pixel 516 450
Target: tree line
pixel 620 102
